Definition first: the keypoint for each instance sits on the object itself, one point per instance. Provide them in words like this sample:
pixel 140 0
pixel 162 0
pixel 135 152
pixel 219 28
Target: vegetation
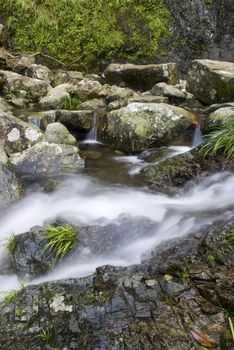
pixel 83 32
pixel 231 327
pixel 221 142
pixel 70 102
pixel 11 243
pixel 61 239
pixel 9 295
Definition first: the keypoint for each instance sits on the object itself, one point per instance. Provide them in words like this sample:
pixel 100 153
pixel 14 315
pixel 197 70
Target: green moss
pixel 83 32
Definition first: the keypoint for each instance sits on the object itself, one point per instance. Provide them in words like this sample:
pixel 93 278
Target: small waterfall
pixel 197 137
pixel 92 134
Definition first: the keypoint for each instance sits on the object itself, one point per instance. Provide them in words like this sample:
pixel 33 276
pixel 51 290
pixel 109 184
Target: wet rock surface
pixel 173 173
pixel 142 125
pixel 10 186
pixel 164 303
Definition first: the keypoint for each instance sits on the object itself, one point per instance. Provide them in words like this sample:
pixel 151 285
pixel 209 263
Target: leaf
pixel 203 338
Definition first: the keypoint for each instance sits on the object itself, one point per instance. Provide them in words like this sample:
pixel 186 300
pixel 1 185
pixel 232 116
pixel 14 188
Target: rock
pixel 142 77
pixel 154 154
pixel 40 119
pixel 149 99
pixel 116 93
pixel 133 305
pixel 38 71
pixel 88 89
pixel 20 64
pixel 3 155
pixel 48 158
pixel 30 258
pixel 58 133
pixel 220 116
pixel 211 81
pixel 172 173
pixel 16 85
pixel 10 186
pixel 16 135
pixel 77 120
pixel 142 125
pixel 67 77
pixel 55 97
pixel 170 91
pixel 94 104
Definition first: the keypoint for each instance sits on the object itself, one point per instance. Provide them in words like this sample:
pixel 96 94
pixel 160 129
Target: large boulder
pixel 10 186
pixel 142 125
pixel 31 89
pixel 17 135
pixel 211 81
pixel 48 158
pixel 142 77
pixel 58 133
pixel 3 35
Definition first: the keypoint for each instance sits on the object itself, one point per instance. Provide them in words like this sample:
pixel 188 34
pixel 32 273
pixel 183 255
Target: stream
pixel 111 191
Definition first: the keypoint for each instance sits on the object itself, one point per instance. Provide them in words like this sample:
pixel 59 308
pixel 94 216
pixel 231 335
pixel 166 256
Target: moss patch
pixel 83 32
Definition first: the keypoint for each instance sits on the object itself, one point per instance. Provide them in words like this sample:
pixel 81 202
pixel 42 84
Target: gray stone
pixel 55 97
pixel 80 119
pixel 33 89
pixel 17 135
pixel 168 90
pixel 211 81
pixel 142 77
pixel 142 125
pixel 10 187
pixel 58 133
pixel 48 158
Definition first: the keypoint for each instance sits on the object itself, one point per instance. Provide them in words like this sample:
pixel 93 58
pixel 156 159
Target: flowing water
pixel 108 192
pixel 197 138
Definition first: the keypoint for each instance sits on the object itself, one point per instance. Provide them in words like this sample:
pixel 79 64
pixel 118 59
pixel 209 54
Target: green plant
pixel 45 334
pixel 231 327
pixel 221 142
pixel 18 312
pixel 210 259
pixel 9 295
pixel 11 243
pixel 69 102
pixel 83 32
pixel 60 239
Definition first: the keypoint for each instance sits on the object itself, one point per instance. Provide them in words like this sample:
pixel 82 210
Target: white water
pixel 92 134
pixel 81 199
pixel 197 137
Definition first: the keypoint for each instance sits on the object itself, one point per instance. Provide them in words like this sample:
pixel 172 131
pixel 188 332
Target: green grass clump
pixel 85 31
pixel 11 243
pixel 61 239
pixel 9 295
pixel 221 142
pixel 70 102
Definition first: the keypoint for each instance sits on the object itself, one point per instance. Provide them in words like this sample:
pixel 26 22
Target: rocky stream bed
pixel 117 157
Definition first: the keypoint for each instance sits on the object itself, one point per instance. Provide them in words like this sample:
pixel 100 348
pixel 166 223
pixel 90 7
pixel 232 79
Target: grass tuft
pixel 70 102
pixel 11 243
pixel 221 142
pixel 61 239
